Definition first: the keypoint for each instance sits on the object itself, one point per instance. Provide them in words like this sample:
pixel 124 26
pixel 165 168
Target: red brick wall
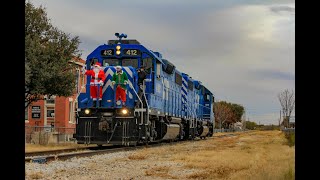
pixel 61 109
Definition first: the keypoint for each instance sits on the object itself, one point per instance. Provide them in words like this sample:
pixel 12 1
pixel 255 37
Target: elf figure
pixel 97 78
pixel 120 78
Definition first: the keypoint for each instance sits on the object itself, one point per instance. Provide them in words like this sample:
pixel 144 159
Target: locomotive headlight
pixel 124 111
pixel 87 111
pixel 118 52
pixel 118 48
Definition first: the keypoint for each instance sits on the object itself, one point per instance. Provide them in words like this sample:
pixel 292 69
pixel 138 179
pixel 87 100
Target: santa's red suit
pixel 97 78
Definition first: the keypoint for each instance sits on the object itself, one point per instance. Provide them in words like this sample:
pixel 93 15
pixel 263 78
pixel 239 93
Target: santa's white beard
pixel 96 70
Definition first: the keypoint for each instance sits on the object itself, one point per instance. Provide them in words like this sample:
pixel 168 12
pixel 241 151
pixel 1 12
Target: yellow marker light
pixel 87 111
pixel 124 111
pixel 117 52
pixel 118 47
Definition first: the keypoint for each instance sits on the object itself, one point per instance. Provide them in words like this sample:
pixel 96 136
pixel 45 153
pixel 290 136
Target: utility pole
pixel 244 120
pixel 280 118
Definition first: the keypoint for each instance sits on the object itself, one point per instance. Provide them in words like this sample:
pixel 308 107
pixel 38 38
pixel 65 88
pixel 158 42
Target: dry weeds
pixel 161 171
pixel 253 155
pixel 36 175
pixel 137 157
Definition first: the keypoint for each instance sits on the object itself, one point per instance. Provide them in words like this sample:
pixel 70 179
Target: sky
pixel 243 51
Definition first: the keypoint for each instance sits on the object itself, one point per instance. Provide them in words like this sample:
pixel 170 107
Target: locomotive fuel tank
pixel 171 131
pixel 205 131
pixel 175 120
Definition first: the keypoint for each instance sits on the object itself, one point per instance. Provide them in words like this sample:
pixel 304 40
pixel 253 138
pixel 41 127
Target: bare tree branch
pixel 287 102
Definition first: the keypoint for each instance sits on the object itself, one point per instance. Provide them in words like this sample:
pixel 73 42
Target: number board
pixel 132 52
pixel 107 52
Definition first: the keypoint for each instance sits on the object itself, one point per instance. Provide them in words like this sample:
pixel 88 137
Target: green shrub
pixel 291 138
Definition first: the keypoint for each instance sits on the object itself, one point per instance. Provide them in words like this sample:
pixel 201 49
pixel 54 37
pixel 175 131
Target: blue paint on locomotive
pixel 166 95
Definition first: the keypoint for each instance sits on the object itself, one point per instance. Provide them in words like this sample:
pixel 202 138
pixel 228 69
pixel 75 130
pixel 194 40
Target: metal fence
pixel 288 130
pixel 48 135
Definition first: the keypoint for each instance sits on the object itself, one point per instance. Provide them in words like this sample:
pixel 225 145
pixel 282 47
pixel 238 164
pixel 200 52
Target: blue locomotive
pixel 169 105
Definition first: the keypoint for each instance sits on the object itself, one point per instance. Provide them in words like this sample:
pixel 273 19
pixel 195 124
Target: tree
pixel 287 102
pixel 223 113
pixel 237 111
pixel 251 125
pixel 227 113
pixel 47 53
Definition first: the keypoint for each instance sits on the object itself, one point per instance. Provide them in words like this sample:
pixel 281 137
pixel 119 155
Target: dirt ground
pixel 251 155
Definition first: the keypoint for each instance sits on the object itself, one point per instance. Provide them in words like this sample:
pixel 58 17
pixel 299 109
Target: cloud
pixel 279 9
pixel 273 74
pixel 242 50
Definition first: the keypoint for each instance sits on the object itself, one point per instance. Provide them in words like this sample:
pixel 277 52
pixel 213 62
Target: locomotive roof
pixel 125 41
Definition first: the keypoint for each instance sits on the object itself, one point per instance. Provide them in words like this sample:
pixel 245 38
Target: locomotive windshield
pixel 130 62
pixel 111 62
pixel 121 62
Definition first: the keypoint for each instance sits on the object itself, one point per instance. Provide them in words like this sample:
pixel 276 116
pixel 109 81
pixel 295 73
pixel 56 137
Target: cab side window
pixel 158 70
pixel 207 97
pixel 147 63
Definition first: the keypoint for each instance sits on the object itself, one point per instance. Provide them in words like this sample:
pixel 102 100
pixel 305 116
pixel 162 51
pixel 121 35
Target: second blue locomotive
pixel 171 105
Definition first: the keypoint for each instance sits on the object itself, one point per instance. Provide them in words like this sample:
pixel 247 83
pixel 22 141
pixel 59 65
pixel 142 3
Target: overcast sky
pixel 243 51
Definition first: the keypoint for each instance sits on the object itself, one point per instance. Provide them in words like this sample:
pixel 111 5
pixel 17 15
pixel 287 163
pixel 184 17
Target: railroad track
pixel 90 152
pixel 59 151
pixel 47 156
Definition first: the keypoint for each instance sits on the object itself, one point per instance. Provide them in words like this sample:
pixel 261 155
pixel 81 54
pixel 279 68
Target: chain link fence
pixel 48 135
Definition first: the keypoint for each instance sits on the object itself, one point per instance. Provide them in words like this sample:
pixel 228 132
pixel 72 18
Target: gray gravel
pixel 108 166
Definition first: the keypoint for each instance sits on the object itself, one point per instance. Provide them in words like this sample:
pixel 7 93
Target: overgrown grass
pixel 289 174
pixel 36 175
pixel 253 155
pixel 290 136
pixel 161 171
pixel 137 157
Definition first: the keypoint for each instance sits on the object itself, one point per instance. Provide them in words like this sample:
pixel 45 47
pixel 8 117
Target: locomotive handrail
pixel 145 98
pixel 144 92
pixel 82 86
pixel 141 121
pixel 203 106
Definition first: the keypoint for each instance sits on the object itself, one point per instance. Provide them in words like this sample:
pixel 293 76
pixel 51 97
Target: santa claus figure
pixel 121 79
pixel 97 78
